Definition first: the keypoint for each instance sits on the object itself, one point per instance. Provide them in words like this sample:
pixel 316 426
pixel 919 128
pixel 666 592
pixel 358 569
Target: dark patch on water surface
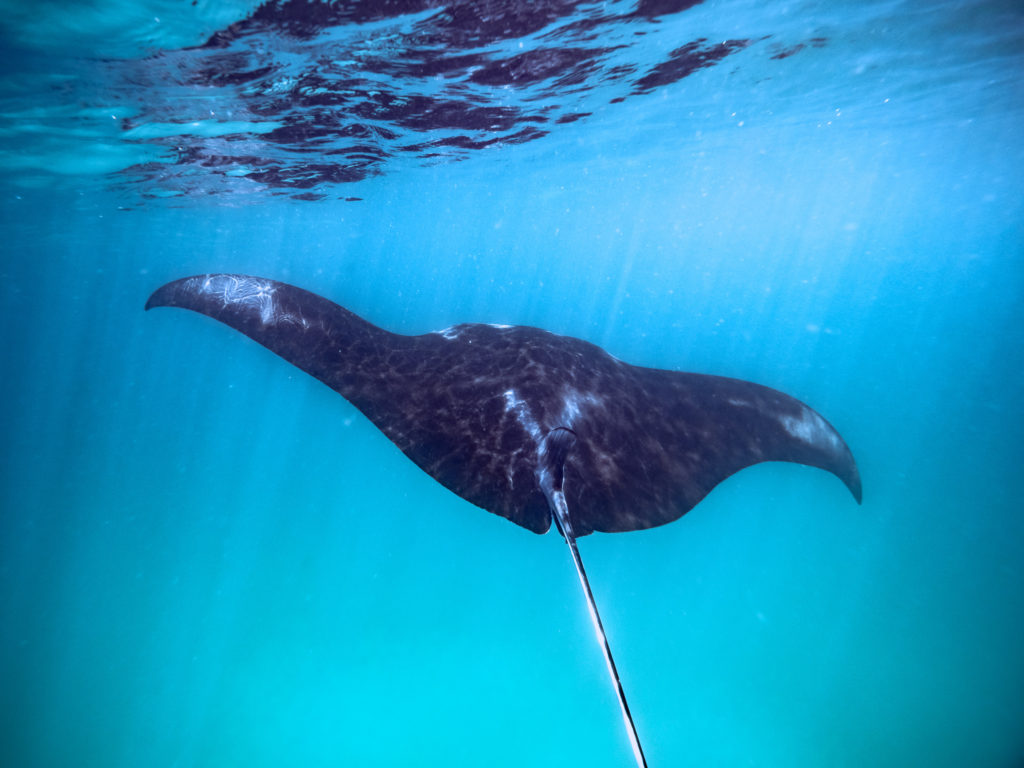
pixel 685 61
pixel 327 93
pixel 786 52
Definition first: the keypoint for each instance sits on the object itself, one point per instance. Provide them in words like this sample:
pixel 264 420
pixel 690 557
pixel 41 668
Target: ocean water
pixel 207 558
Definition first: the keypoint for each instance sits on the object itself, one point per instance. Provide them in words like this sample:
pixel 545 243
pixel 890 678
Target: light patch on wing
pixel 522 413
pixel 248 291
pixel 811 429
pixel 499 326
pixel 449 333
pixel 575 402
pixel 741 403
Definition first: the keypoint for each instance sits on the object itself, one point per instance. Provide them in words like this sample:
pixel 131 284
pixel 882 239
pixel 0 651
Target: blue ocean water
pixel 209 559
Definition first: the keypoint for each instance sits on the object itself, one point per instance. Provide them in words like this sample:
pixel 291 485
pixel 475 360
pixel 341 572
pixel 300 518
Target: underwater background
pixel 207 558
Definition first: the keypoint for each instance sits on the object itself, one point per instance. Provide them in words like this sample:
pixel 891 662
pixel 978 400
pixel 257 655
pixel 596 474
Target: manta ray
pixel 530 425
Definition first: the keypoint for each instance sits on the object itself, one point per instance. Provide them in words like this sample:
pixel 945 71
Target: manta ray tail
pixel 555 448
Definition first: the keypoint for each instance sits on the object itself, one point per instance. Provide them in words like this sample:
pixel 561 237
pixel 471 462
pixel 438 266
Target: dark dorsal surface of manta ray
pixel 527 424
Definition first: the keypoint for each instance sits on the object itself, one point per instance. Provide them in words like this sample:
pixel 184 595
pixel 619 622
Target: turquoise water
pixel 209 559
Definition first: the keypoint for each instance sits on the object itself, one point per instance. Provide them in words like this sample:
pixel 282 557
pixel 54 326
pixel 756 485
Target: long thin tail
pixel 562 519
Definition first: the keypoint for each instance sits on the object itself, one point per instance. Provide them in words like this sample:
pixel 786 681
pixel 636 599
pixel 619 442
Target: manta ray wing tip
pixel 165 295
pixel 855 487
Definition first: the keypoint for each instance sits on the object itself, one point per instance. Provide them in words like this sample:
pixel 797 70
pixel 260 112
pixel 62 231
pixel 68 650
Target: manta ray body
pixel 527 424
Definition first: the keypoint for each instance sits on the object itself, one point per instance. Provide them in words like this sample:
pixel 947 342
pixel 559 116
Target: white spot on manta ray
pixel 522 413
pixel 574 402
pixel 811 429
pixel 248 291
